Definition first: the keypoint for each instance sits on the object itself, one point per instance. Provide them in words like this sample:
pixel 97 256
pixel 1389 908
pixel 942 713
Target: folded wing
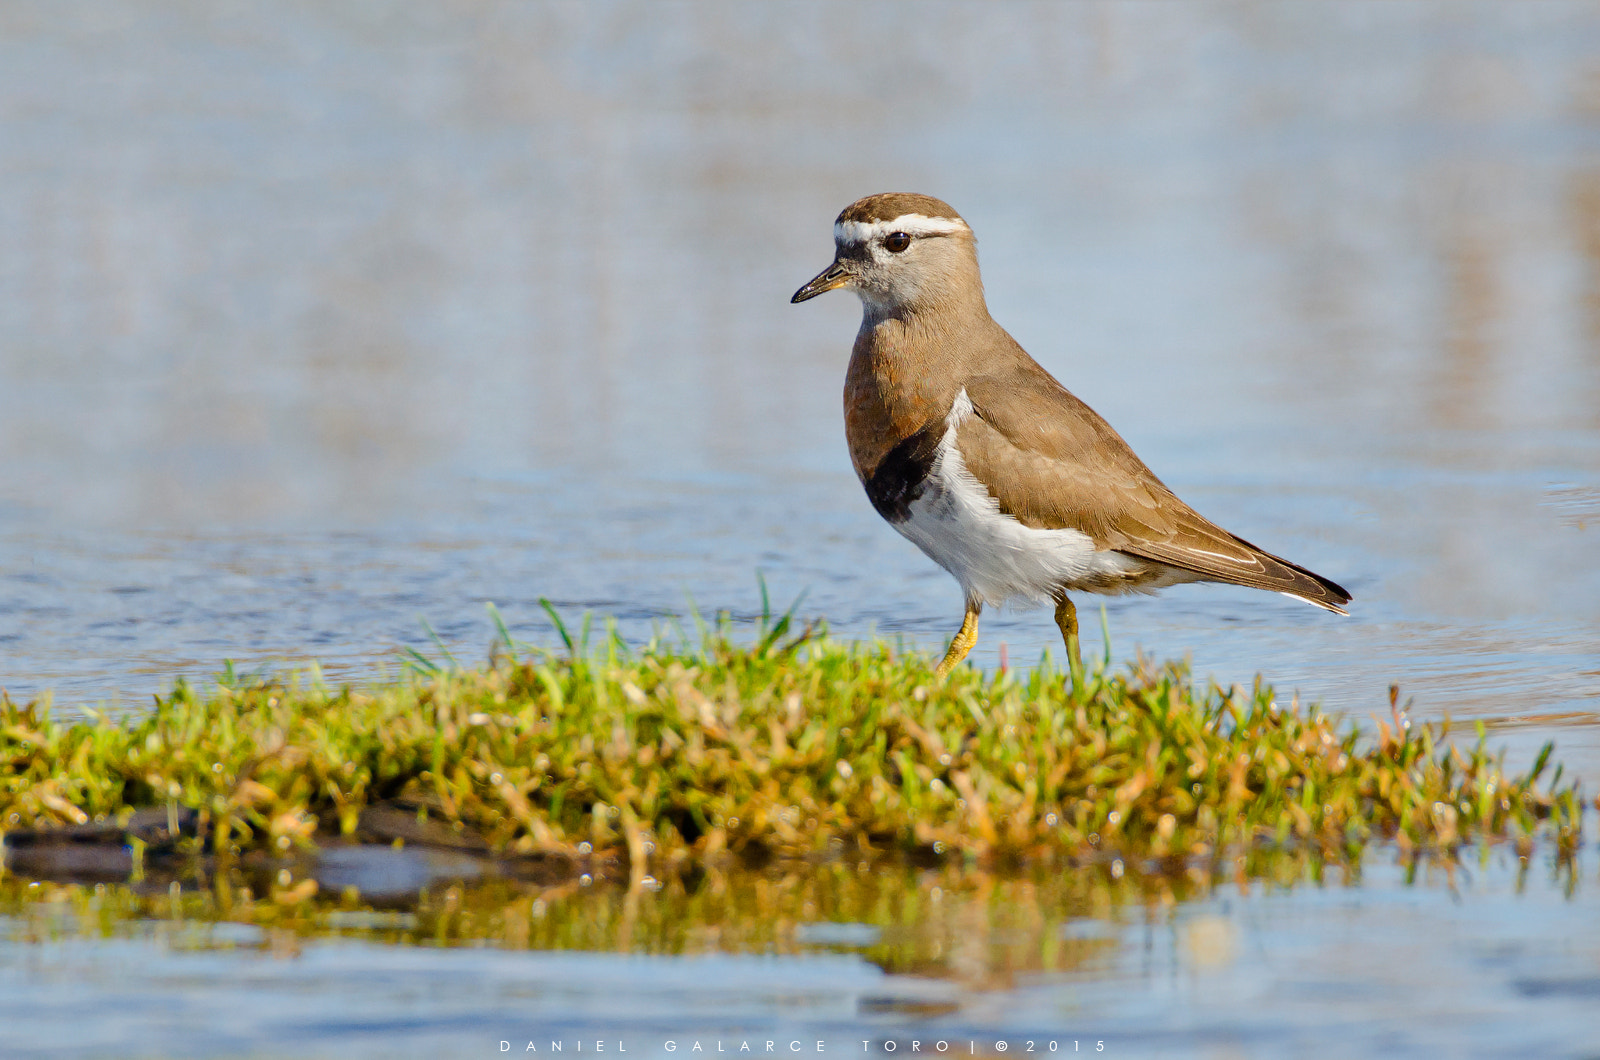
pixel 1051 462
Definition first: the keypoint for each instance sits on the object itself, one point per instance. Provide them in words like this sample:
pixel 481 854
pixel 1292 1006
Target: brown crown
pixel 892 204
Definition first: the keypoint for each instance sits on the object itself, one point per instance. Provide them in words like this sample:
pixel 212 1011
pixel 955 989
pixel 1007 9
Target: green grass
pixel 670 758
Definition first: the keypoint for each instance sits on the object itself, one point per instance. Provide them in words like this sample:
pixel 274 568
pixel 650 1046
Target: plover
pixel 977 455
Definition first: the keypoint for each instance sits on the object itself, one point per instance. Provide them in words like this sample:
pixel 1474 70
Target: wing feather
pixel 1052 462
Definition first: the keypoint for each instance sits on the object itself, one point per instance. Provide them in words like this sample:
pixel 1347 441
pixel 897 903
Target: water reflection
pixel 980 928
pixel 841 952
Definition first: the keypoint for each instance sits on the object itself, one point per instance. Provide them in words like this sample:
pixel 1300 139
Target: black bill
pixel 834 275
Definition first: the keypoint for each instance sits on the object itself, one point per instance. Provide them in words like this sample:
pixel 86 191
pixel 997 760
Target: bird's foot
pixel 965 638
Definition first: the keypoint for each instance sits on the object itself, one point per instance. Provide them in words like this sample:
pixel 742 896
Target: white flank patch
pixel 849 233
pixel 992 555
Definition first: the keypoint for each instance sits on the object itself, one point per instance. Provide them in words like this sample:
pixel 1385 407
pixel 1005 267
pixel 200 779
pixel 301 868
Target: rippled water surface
pixel 320 321
pixel 1501 958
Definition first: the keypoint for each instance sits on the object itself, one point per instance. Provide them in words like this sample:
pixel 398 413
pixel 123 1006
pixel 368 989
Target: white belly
pixel 996 558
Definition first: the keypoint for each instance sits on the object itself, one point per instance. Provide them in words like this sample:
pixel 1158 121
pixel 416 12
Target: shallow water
pixel 1495 959
pixel 319 323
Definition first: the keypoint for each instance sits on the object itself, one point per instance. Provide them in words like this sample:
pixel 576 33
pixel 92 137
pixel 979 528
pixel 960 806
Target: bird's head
pixel 901 253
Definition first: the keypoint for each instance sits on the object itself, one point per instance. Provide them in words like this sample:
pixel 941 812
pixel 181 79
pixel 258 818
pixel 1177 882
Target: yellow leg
pixel 964 640
pixel 1067 619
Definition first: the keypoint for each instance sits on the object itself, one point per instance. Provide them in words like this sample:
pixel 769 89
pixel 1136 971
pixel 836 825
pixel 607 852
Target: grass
pixel 671 758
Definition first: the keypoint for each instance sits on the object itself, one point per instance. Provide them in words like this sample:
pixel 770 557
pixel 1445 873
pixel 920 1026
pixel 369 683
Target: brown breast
pixel 890 394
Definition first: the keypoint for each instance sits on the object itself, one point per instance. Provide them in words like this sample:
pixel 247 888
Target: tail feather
pixel 1291 579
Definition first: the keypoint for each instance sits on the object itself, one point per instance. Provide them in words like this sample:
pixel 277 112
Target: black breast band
pixel 900 477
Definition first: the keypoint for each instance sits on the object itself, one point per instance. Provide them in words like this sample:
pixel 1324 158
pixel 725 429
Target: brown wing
pixel 1053 463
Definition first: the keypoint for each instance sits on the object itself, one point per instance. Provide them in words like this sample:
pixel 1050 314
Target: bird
pixel 977 455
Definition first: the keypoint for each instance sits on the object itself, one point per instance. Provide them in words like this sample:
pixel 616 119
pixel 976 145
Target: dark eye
pixel 896 242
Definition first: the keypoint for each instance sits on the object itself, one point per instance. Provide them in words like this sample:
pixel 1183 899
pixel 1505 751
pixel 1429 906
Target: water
pixel 1491 960
pixel 317 323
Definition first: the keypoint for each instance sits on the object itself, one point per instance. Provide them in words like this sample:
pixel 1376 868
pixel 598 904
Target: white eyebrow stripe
pixel 912 224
